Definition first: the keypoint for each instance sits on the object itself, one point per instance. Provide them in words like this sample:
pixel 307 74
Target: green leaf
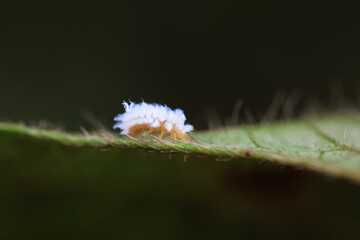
pixel 327 144
pixel 226 183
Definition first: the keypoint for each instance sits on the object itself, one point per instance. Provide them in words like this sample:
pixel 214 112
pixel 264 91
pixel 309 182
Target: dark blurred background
pixel 58 59
pixel 61 58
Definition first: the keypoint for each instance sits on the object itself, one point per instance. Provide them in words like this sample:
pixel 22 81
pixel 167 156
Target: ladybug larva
pixel 152 118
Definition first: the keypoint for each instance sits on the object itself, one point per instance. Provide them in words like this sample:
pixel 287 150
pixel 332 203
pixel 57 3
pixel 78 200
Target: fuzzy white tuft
pixel 152 114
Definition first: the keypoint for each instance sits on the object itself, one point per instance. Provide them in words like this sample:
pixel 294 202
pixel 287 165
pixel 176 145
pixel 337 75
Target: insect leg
pixel 161 135
pixel 147 132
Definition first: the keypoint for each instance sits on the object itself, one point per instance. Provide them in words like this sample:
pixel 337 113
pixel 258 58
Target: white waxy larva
pixel 152 117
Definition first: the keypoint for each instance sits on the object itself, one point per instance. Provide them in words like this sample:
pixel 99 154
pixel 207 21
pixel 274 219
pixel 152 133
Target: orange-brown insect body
pixel 174 132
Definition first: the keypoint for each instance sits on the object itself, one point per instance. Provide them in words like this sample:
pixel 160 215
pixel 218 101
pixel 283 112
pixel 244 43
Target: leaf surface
pixel 327 144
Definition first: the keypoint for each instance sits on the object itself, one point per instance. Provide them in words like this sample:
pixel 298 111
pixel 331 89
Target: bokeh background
pixel 60 58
